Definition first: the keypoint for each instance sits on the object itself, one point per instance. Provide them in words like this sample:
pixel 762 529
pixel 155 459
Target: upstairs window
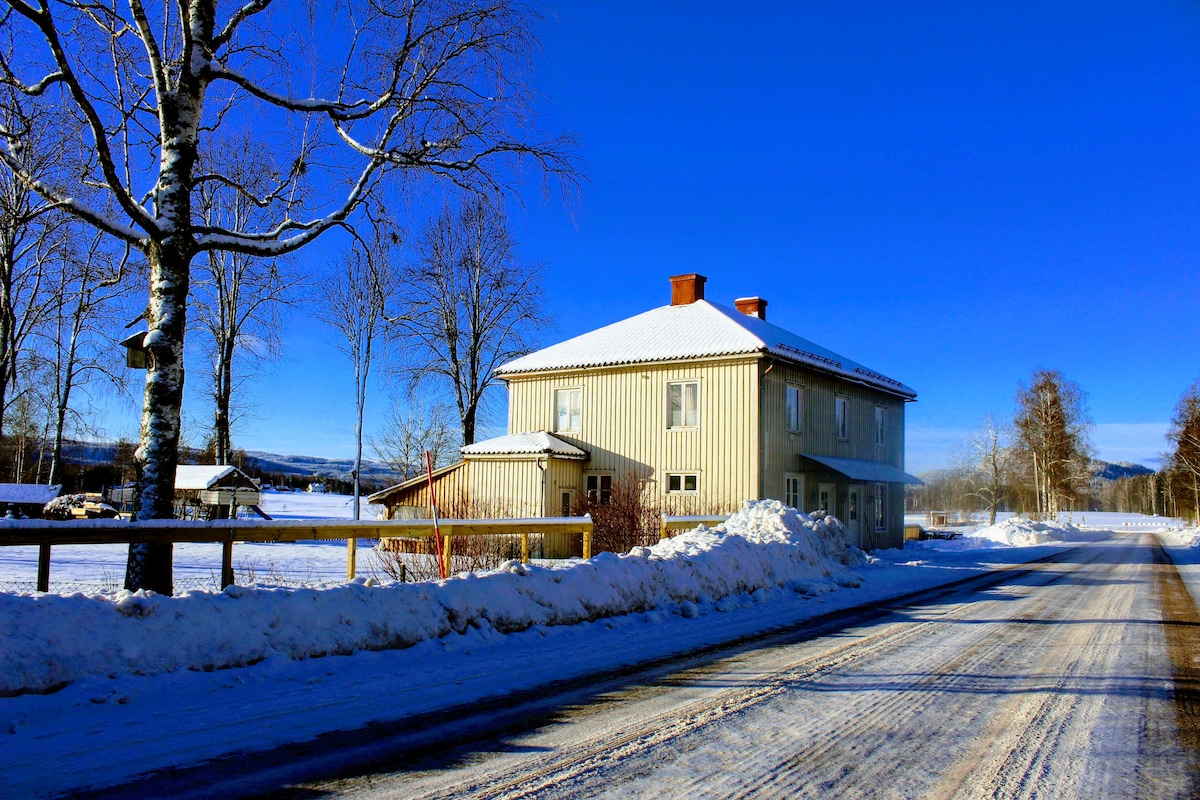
pixel 840 427
pixel 683 404
pixel 568 405
pixel 794 406
pixel 881 426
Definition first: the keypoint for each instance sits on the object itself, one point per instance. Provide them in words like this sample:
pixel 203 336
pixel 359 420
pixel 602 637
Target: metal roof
pixel 697 330
pixel 872 471
pixel 194 477
pixel 539 443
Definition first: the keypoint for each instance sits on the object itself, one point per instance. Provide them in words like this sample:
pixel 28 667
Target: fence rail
pixel 45 535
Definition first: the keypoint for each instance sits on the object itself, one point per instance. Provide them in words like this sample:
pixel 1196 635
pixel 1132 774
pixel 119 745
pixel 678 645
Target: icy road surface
pixel 1075 677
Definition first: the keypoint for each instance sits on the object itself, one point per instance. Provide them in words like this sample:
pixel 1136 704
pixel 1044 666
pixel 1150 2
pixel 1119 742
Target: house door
pixel 825 500
pixel 854 515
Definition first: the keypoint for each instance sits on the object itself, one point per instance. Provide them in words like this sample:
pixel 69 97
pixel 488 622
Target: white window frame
pixel 683 393
pixel 577 391
pixel 793 495
pixel 841 417
pixel 881 420
pixel 599 490
pixel 881 511
pixel 794 422
pixel 677 482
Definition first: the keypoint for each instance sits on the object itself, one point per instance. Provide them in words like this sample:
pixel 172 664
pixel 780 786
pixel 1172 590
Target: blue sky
pixel 953 194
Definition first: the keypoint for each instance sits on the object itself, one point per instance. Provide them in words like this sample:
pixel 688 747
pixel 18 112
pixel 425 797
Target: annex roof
pixel 872 471
pixel 696 330
pixel 27 493
pixel 195 477
pixel 411 481
pixel 539 443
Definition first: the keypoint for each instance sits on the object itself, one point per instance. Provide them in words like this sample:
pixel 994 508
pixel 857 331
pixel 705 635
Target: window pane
pixel 567 404
pixel 793 408
pixel 689 483
pixel 675 405
pixel 691 404
pixel 673 483
pixel 840 422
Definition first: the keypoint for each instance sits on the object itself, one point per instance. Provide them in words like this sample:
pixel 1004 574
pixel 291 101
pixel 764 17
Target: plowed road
pixel 1073 677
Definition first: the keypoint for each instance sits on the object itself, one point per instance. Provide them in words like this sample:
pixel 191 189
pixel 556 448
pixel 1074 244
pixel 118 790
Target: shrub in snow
pixel 50 640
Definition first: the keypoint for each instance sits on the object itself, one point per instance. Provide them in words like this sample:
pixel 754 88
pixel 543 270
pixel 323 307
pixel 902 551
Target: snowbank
pixel 51 640
pixel 1021 532
pixel 1011 532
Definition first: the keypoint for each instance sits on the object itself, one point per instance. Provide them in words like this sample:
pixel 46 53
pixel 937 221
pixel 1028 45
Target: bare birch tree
pixel 237 297
pixel 469 305
pixel 32 238
pixel 411 428
pixel 987 463
pixel 1051 425
pixel 354 303
pixel 339 95
pixel 88 295
pixel 1184 435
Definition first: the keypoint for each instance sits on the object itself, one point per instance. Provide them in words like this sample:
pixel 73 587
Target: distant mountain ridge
pixel 318 467
pixel 307 466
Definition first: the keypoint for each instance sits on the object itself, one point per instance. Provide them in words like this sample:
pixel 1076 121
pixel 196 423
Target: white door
pixel 825 499
pixel 854 515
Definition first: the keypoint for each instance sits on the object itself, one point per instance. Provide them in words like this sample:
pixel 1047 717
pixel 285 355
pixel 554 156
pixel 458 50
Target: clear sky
pixel 951 193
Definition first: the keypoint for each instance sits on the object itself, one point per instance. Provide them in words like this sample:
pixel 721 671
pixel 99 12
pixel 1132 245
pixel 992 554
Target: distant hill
pixel 93 453
pixel 1109 471
pixel 340 468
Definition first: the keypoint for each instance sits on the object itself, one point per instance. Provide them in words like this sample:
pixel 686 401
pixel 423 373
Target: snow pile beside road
pixel 1021 532
pixel 1180 537
pixel 50 640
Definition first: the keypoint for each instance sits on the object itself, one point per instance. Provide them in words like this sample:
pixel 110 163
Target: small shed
pixel 216 490
pixel 26 499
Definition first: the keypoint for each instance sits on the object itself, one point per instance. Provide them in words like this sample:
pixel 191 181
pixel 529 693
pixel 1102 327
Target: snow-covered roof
pixel 27 493
pixel 696 330
pixel 194 477
pixel 539 443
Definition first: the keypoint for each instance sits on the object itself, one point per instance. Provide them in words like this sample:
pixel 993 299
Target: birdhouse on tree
pixel 135 350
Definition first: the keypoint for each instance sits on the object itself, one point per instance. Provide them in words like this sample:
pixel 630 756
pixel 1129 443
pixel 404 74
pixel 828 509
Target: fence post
pixel 43 578
pixel 446 540
pixel 525 547
pixel 227 562
pixel 587 539
pixel 351 558
pixel 663 535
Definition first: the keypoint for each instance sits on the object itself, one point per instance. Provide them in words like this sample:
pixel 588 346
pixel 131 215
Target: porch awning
pixel 871 471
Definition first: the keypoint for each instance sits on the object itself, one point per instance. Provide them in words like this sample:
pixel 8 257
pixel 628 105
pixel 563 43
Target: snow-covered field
pixel 208 673
pixel 94 568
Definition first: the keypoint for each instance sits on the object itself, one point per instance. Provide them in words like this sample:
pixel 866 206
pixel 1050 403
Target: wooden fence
pixel 45 534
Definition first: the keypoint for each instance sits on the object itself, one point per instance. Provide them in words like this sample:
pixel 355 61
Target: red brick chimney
pixel 687 289
pixel 752 306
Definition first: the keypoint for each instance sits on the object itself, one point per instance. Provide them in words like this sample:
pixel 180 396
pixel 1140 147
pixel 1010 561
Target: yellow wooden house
pixel 708 405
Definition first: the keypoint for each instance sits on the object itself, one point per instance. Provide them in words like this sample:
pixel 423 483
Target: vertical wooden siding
pixel 781 448
pixel 452 495
pixel 624 425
